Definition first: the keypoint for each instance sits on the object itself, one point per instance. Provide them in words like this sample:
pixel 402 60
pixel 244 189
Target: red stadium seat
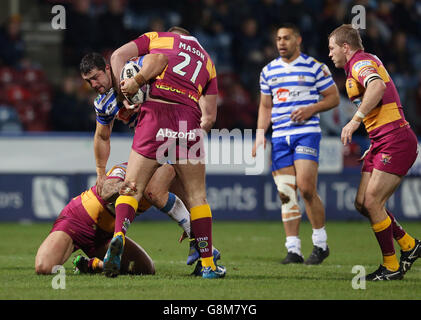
pixel 33 116
pixel 41 92
pixel 8 75
pixel 31 76
pixel 17 93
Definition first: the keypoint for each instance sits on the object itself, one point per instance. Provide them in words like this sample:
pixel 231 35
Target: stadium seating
pixel 9 120
pixel 29 94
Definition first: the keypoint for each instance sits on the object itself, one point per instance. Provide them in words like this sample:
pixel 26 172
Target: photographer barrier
pixel 40 173
pixel 28 197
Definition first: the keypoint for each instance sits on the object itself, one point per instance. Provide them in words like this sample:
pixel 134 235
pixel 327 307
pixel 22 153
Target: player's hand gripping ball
pixel 130 69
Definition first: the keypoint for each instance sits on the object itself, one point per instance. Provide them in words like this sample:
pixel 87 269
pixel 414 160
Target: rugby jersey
pixel 190 72
pixel 107 107
pixel 294 85
pixel 388 114
pixel 101 212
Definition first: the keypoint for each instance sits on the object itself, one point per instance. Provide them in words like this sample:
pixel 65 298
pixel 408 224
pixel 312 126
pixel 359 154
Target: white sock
pixel 177 211
pixel 319 238
pixel 293 244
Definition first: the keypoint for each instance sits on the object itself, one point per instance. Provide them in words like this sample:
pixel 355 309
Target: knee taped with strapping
pixel 286 185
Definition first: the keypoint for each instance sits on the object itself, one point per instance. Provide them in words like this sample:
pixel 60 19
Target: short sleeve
pixel 323 78
pixel 365 71
pixel 264 85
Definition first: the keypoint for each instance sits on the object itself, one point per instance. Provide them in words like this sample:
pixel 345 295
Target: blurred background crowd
pixel 41 88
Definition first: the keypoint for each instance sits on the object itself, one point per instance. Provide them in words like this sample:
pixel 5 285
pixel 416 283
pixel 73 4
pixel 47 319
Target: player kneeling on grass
pixel 87 223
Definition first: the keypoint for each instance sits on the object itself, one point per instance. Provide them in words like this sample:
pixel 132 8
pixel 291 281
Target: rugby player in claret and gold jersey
pixel 171 105
pixel 392 152
pixel 87 223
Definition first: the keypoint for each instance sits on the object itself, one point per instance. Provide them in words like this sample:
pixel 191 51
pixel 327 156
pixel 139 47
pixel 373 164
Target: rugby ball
pixel 130 69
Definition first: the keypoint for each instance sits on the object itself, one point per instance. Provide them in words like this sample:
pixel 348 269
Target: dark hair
pixel 91 61
pixel 289 25
pixel 179 30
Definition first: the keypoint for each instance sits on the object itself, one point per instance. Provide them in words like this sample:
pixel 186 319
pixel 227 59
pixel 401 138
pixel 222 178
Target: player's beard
pixel 287 54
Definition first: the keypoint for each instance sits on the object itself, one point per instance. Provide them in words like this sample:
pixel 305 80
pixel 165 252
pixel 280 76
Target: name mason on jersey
pixel 187 47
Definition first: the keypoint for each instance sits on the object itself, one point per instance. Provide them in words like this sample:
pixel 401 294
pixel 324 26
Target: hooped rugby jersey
pixel 294 85
pixel 101 212
pixel 107 108
pixel 190 72
pixel 388 114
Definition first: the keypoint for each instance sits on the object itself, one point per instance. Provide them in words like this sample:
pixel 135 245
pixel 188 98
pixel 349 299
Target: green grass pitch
pixel 251 252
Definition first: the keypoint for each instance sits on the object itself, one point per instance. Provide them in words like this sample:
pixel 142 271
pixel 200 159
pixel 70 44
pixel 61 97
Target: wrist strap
pixel 140 79
pixel 358 116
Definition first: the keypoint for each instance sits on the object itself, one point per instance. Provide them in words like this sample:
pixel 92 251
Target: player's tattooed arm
pixel 110 189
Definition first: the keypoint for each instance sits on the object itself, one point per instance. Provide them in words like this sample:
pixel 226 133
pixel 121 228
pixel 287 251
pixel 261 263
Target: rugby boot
pixel 194 254
pixel 317 256
pixel 292 257
pixel 112 259
pixel 382 273
pixel 219 272
pixel 409 257
pixel 198 268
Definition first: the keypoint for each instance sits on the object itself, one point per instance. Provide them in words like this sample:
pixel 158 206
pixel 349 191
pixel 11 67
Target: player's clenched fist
pixel 129 86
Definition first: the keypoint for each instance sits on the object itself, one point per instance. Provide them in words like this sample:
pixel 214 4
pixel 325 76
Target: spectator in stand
pixel 111 22
pixel 413 111
pixel 247 52
pixel 69 104
pixel 267 12
pixel 12 47
pixel 406 17
pixel 81 35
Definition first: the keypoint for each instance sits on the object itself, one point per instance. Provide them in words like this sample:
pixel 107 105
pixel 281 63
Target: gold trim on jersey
pixel 353 88
pixel 157 42
pixel 97 212
pixel 210 67
pixel 382 115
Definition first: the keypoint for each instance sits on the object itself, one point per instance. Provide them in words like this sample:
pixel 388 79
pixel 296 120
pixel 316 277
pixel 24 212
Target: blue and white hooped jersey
pixel 107 106
pixel 294 85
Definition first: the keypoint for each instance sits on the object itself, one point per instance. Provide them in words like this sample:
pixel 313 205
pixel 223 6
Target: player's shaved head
pixel 179 30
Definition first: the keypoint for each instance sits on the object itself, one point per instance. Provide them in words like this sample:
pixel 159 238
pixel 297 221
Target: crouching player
pixel 87 223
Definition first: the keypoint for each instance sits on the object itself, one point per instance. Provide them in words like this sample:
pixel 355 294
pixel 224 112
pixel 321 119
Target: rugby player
pixel 87 223
pixel 173 105
pixel 109 106
pixel 110 103
pixel 89 219
pixel 290 87
pixel 392 152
